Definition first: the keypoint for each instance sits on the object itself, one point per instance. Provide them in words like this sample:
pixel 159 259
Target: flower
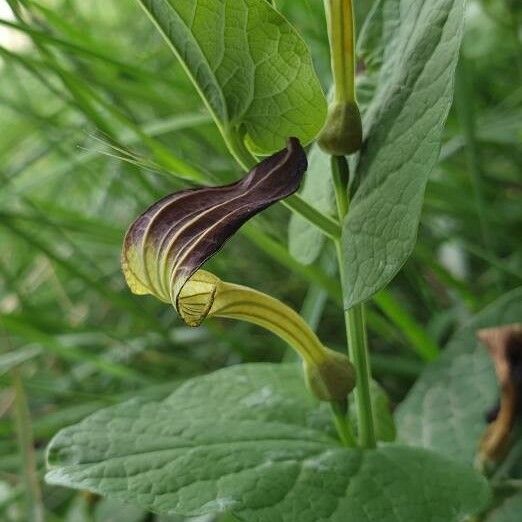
pixel 165 247
pixel 176 235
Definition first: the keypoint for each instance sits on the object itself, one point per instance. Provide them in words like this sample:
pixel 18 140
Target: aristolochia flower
pixel 165 247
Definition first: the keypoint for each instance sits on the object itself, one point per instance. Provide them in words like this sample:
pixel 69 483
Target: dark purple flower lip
pixel 174 237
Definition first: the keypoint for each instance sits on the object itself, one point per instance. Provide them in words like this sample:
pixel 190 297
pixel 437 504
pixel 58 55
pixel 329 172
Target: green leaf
pixel 251 439
pixel 403 127
pixel 445 410
pixel 251 67
pixel 376 35
pixel 508 511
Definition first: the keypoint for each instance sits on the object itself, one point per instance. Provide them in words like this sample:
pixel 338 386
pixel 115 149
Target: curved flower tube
pixel 329 374
pixel 165 247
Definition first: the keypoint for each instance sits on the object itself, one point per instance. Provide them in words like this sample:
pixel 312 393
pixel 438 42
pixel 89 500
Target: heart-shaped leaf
pixel 251 67
pixel 250 439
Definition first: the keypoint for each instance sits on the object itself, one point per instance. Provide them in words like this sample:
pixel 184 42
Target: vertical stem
pixel 354 320
pixel 341 32
pixel 342 425
pixel 358 350
pixel 341 178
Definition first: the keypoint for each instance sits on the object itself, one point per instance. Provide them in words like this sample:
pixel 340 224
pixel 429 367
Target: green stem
pixel 342 425
pixel 277 251
pixel 341 177
pixel 358 351
pixel 341 33
pixel 354 320
pixel 328 226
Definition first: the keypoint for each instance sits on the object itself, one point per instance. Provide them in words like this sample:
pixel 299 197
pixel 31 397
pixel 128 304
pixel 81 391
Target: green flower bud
pixel 342 132
pixel 332 379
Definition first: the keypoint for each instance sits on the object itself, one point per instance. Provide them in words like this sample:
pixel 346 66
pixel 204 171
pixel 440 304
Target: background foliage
pixel 98 120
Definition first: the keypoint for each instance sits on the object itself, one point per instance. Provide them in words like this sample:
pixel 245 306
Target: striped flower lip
pixel 174 237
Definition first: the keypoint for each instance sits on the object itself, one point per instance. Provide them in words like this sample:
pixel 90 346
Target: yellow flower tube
pixel 329 374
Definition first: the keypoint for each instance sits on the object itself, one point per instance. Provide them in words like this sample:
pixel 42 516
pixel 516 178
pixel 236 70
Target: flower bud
pixel 332 379
pixel 342 132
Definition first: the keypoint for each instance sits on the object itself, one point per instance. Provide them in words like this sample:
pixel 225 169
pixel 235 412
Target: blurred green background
pixel 97 121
